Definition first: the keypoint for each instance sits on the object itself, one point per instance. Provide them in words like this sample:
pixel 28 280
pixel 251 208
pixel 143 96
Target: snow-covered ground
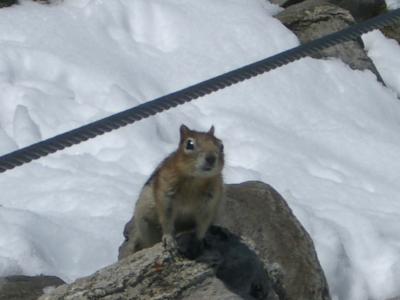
pixel 325 136
pixel 393 4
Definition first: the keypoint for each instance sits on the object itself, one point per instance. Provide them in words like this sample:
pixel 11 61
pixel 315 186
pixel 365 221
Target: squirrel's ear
pixel 184 130
pixel 211 131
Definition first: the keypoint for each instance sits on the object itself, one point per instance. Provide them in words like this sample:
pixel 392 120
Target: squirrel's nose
pixel 210 159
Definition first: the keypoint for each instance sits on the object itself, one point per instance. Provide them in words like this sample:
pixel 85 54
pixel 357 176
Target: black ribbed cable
pixel 78 135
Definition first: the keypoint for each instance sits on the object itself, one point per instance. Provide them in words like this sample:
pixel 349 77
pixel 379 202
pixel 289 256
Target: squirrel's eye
pixel 190 144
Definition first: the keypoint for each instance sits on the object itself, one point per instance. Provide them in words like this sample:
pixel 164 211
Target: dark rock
pixel 285 3
pixel 257 213
pixel 5 3
pixel 313 19
pixel 127 247
pixel 392 31
pixel 226 269
pixel 43 1
pixel 240 269
pixel 26 287
pixel 362 9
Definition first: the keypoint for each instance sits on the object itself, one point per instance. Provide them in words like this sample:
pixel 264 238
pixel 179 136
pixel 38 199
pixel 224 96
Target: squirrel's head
pixel 201 153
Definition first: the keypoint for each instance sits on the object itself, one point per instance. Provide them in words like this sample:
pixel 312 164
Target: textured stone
pixel 227 269
pixel 285 3
pixel 5 3
pixel 313 19
pixel 392 31
pixel 359 9
pixel 257 213
pixel 26 287
pixel 362 9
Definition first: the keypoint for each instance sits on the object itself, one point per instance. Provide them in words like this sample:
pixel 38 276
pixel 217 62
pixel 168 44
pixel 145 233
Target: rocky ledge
pixel 258 250
pixel 259 215
pixel 312 19
pixel 227 269
pixel 26 287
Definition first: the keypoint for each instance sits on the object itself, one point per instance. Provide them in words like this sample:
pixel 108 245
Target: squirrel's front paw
pixel 169 243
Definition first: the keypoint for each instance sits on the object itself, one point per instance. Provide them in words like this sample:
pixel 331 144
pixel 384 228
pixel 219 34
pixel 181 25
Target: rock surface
pixel 5 3
pixel 26 287
pixel 392 31
pixel 256 212
pixel 227 269
pixel 362 9
pixel 313 19
pixel 359 9
pixel 285 3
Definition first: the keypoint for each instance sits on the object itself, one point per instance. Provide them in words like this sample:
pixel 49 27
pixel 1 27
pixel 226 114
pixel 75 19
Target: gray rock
pixel 257 213
pixel 5 3
pixel 285 3
pixel 26 287
pixel 313 19
pixel 392 31
pixel 127 247
pixel 43 1
pixel 362 9
pixel 359 9
pixel 226 269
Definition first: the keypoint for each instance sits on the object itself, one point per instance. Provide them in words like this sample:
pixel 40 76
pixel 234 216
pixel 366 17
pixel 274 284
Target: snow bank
pixel 385 55
pixel 324 135
pixel 393 4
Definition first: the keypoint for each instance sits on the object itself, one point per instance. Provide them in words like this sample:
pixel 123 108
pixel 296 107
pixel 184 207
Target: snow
pixel 381 50
pixel 325 136
pixel 25 131
pixel 393 4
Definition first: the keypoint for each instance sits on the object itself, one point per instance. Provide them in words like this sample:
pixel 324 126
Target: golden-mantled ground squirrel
pixel 183 193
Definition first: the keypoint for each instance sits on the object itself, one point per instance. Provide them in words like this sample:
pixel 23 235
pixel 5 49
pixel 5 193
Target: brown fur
pixel 183 193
